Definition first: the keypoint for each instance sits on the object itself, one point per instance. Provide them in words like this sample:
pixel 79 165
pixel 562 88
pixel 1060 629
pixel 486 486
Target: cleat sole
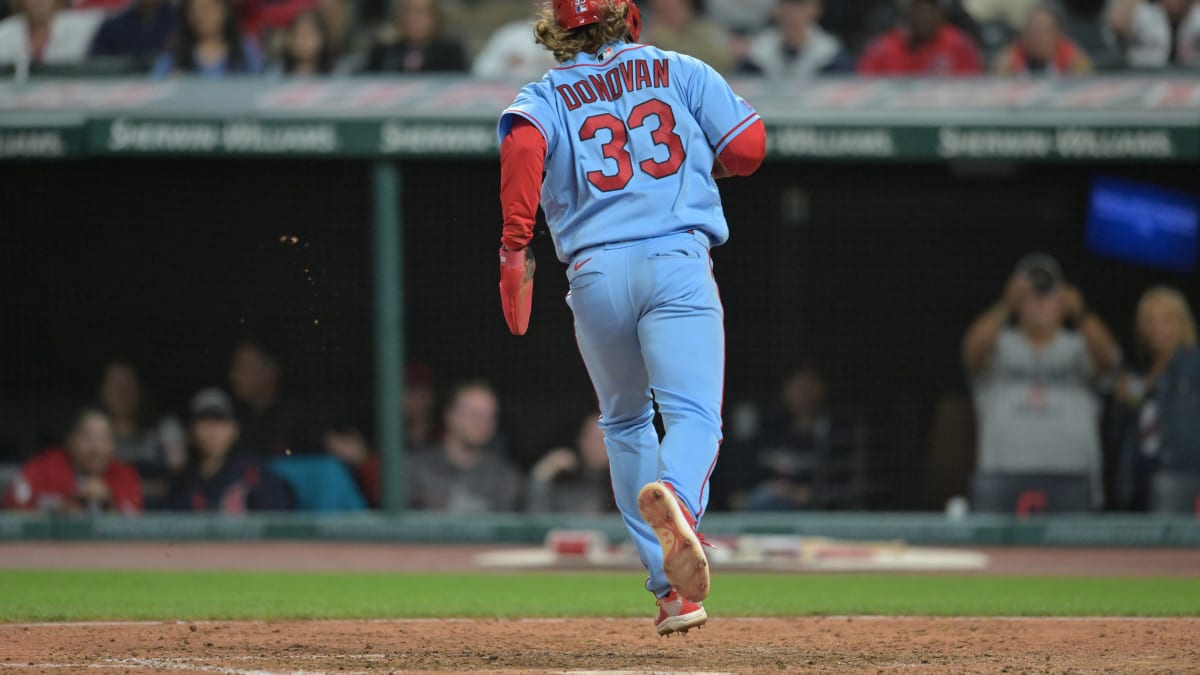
pixel 684 561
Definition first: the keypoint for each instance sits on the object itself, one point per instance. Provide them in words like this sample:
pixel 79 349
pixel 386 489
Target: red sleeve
pixel 522 161
pixel 125 486
pixel 44 474
pixel 745 153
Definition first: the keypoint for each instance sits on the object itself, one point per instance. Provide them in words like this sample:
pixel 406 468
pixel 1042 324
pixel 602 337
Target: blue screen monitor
pixel 1143 224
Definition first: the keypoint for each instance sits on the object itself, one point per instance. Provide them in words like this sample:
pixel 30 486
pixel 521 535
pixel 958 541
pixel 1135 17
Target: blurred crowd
pixel 783 39
pixel 1049 383
pixel 249 446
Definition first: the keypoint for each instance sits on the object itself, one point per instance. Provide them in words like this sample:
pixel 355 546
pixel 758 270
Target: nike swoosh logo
pixel 579 265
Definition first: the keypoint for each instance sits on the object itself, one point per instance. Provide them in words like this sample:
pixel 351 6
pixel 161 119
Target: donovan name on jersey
pixel 626 76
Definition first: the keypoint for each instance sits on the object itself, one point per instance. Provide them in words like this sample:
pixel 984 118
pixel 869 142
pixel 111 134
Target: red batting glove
pixel 516 287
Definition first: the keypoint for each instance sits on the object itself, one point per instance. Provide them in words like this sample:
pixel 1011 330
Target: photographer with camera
pixel 1034 360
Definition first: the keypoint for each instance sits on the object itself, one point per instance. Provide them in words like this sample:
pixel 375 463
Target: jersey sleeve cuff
pixel 506 123
pixel 735 131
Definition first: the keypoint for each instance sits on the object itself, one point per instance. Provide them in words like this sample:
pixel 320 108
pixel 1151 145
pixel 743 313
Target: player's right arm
pixel 524 140
pixel 734 129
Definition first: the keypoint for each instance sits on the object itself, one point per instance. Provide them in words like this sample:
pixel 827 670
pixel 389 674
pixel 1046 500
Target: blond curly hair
pixel 566 44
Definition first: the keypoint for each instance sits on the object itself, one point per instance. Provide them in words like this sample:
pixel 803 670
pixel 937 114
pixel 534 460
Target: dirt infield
pixel 349 557
pixel 835 645
pixel 726 645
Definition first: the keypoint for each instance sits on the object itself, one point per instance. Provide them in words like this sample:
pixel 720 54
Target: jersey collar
pixel 606 52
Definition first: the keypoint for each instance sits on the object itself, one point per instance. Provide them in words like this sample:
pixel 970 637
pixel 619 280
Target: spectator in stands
pixel 348 444
pixel 1155 34
pixel 805 457
pixel 1165 435
pixel 743 17
pixel 82 477
pixel 270 424
pixel 1013 13
pixel 1188 38
pixel 574 479
pixel 420 405
pixel 339 18
pixel 157 449
pixel 509 54
pixel 307 50
pixel 797 46
pixel 677 26
pixel 417 44
pixel 210 44
pixel 138 33
pixel 122 397
pixel 1034 358
pixel 45 32
pixel 1043 49
pixel 1083 21
pixel 924 43
pixel 217 477
pixel 467 472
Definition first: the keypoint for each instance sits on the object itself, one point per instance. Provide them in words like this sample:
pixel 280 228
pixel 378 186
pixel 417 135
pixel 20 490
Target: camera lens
pixel 1041 280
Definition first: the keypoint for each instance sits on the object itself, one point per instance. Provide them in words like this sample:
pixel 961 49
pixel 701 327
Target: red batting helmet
pixel 578 13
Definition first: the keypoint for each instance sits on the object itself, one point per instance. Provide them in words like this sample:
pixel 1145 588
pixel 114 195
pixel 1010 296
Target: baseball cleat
pixel 683 554
pixel 677 615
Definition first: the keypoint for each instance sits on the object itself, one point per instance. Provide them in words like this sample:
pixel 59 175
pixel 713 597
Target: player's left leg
pixel 682 334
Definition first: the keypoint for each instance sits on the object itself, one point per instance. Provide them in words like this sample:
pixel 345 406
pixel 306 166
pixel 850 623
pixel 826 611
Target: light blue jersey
pixel 630 142
pixel 633 209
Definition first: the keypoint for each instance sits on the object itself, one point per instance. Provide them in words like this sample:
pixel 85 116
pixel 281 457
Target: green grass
pixel 52 595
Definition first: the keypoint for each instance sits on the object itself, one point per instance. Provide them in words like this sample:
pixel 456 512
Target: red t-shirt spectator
pixel 48 482
pixel 950 52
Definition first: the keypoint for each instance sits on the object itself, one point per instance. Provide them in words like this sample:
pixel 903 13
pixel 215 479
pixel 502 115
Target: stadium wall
pixel 917 529
pixel 887 216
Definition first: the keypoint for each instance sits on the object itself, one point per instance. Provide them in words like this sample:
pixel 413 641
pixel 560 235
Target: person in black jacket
pixel 1163 436
pixel 217 478
pixel 418 45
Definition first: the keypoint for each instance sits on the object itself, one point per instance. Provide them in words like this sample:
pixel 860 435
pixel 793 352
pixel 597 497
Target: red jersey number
pixel 617 151
pixel 663 135
pixel 614 150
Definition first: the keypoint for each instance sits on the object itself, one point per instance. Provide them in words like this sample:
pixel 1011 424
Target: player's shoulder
pixel 537 90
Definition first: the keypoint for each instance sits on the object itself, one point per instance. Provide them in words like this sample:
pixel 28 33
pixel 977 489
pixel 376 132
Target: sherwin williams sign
pixel 1100 119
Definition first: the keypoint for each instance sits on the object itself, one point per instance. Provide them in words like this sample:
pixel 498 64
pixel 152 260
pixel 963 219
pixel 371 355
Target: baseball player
pixel 631 139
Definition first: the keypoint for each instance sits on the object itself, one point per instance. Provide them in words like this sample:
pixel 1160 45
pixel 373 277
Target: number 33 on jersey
pixel 630 141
